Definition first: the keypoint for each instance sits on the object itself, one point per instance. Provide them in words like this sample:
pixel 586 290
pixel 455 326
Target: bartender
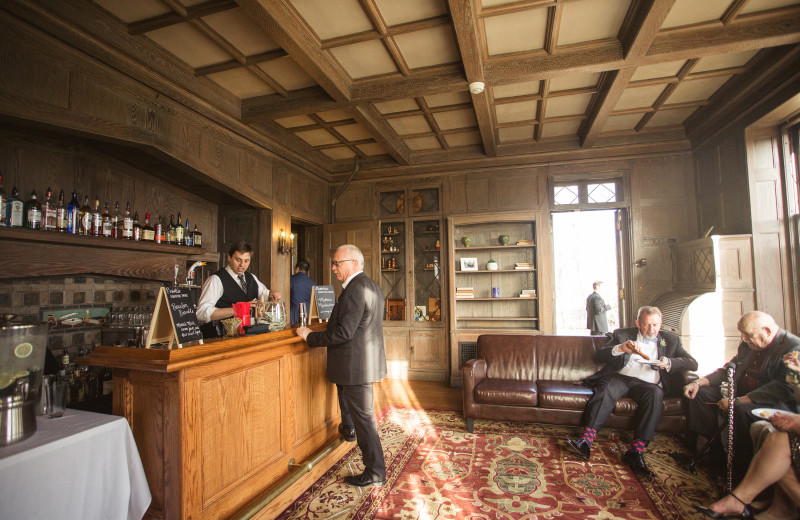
pixel 230 285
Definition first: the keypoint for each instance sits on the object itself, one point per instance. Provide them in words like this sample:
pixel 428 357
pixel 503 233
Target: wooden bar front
pixel 217 424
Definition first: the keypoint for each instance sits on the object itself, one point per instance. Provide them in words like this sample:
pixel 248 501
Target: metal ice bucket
pixel 17 419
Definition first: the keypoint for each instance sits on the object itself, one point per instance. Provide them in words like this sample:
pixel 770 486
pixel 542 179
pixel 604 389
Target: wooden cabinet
pixel 494 275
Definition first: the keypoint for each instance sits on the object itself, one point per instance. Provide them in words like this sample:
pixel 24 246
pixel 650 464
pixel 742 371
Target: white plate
pixel 765 413
pixel 650 362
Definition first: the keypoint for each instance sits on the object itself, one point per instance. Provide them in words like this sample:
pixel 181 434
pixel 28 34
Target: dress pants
pixel 608 389
pixel 704 419
pixel 358 411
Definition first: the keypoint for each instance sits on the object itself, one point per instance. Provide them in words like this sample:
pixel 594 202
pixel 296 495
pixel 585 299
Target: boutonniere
pixel 662 343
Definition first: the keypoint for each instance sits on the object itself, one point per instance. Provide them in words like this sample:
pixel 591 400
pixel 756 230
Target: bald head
pixel 758 329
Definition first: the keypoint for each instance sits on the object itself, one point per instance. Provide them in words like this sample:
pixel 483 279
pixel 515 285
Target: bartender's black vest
pixel 232 292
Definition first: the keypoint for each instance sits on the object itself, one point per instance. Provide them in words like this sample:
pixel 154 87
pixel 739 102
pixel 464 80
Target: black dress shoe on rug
pixel 349 434
pixel 363 480
pixel 746 513
pixel 635 461
pixel 581 447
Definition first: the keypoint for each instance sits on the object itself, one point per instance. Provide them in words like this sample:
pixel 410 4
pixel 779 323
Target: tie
pixel 243 283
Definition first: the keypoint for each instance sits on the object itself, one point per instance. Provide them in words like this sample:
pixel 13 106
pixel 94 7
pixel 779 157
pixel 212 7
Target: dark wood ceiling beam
pixel 516 7
pixel 374 15
pixel 282 23
pixel 602 106
pixel 296 103
pixel 183 14
pixel 365 36
pixel 371 120
pixel 233 64
pixel 553 26
pixel 471 44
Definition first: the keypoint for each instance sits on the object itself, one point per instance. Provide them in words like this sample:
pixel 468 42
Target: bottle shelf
pixel 486 271
pixel 492 248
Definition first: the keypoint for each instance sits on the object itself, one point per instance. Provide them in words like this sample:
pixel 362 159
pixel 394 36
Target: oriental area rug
pixel 505 470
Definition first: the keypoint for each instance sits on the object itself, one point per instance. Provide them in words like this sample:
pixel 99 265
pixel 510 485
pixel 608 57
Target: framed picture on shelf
pixel 469 264
pixel 419 313
pixel 434 309
pixel 395 309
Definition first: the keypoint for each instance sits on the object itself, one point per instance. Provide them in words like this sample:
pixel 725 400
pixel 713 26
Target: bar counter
pixel 220 425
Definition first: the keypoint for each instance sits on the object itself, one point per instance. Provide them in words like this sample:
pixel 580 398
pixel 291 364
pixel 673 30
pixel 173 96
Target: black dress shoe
pixel 581 447
pixel 364 480
pixel 349 433
pixel 635 460
pixel 746 513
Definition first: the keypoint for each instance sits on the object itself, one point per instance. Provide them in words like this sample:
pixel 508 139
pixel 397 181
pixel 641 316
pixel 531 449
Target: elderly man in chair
pixel 638 363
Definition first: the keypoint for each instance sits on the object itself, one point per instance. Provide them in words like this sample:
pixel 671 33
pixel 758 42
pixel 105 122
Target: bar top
pixel 163 360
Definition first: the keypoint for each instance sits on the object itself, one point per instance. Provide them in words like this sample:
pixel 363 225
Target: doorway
pixel 587 247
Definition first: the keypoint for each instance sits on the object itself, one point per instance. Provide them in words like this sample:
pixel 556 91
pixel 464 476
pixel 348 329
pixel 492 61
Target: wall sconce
pixel 285 247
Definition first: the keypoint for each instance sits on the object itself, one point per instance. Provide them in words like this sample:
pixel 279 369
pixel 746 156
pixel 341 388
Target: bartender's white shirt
pixel 634 368
pixel 212 292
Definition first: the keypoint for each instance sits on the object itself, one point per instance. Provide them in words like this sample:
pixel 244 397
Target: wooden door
pixel 428 350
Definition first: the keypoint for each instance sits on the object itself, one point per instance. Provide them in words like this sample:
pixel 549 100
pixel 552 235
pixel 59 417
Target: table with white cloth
pixel 80 466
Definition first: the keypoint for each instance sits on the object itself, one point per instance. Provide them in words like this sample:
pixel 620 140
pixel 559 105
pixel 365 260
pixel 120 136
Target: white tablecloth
pixel 81 466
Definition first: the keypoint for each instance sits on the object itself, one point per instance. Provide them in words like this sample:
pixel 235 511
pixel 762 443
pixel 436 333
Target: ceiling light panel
pixel 516 32
pixel 434 46
pixel 333 18
pixel 239 29
pixel 189 45
pixel 287 73
pixel 365 59
pixel 396 12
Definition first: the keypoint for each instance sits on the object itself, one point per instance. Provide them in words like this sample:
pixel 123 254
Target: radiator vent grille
pixel 467 350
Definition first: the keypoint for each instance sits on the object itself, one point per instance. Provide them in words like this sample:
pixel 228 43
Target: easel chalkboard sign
pixel 322 301
pixel 174 319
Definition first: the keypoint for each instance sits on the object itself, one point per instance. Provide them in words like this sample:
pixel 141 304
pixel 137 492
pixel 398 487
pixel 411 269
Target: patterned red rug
pixel 505 470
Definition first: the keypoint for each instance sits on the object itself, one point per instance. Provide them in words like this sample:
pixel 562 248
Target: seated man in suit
pixel 638 363
pixel 759 381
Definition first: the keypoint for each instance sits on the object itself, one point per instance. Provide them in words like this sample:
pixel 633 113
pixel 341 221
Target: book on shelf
pixel 525 242
pixel 528 293
pixel 465 292
pixel 523 265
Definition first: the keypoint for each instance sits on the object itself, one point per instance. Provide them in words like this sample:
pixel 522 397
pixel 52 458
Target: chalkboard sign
pixel 174 318
pixel 322 301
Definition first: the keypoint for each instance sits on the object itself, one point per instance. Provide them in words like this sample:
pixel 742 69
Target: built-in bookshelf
pixel 494 275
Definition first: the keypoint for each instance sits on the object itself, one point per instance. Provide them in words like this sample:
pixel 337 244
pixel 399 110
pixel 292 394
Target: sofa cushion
pixel 506 392
pixel 563 395
pixel 567 358
pixel 508 356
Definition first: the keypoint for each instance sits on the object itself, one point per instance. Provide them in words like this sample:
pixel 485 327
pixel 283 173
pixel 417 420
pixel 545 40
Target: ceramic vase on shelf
pixel 467 241
pixel 504 240
pixel 491 265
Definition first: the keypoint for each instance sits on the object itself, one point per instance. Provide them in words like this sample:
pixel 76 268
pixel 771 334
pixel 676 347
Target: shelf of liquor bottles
pixel 54 237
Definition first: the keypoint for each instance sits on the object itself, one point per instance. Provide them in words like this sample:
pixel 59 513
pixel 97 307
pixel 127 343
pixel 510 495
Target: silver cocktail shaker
pixel 302 318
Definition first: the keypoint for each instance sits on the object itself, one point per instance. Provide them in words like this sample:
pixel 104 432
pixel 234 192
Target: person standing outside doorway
pixel 356 358
pixel 596 307
pixel 300 286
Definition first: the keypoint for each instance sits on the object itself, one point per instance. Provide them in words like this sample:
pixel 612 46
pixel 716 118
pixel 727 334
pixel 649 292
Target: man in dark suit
pixel 759 381
pixel 356 358
pixel 300 286
pixel 596 319
pixel 627 372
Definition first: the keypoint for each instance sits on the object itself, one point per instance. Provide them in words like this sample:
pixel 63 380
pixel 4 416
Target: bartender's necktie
pixel 243 283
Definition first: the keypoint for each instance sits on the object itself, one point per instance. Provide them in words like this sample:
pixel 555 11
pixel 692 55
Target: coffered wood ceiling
pixel 386 81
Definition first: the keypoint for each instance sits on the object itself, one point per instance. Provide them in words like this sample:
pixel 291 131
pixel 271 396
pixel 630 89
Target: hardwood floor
pixel 417 394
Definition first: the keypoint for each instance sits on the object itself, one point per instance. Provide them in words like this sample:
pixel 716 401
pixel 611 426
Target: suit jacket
pixel 596 308
pixel 299 291
pixel 354 336
pixel 772 385
pixel 668 345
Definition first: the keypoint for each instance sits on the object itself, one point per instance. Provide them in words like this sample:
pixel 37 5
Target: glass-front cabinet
pixel 413 283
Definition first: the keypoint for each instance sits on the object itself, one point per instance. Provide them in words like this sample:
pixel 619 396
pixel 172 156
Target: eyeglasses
pixel 335 263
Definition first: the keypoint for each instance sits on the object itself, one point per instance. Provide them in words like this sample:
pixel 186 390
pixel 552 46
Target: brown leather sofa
pixel 538 379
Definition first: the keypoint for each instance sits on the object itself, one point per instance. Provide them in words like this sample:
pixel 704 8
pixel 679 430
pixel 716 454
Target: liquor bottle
pixel 49 212
pixel 73 215
pixel 61 214
pixel 179 229
pixel 160 236
pixel 15 210
pixel 127 223
pixel 137 228
pixel 148 233
pixel 187 235
pixel 92 383
pixel 106 381
pixel 3 199
pixel 33 212
pixel 116 224
pixel 197 237
pixel 97 218
pixel 85 217
pixel 106 226
pixel 171 230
